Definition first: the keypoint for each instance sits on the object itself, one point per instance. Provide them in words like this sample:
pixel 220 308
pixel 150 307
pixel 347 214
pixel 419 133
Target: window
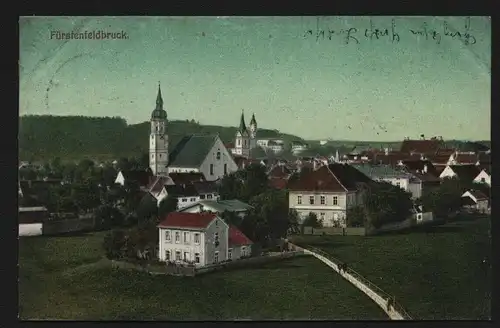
pixel 167 235
pixel 197 257
pixel 322 200
pixel 193 199
pixel 167 255
pixel 177 236
pixel 186 256
pixel 186 237
pixel 230 253
pixel 209 196
pixel 160 155
pixel 216 239
pixel 196 238
pixel 152 155
pixel 335 200
pixel 225 168
pixel 243 250
pixel 311 200
pixel 216 257
pixel 239 142
pixel 218 155
pixel 202 196
pixel 178 255
pixel 211 169
pixel 184 200
pixel 299 200
pixel 483 180
pixel 322 216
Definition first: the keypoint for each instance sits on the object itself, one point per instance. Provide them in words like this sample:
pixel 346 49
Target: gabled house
pixel 142 177
pixel 465 173
pixel 483 177
pixel 475 200
pixel 239 244
pixel 198 238
pixel 328 192
pixel 202 154
pixel 218 206
pixel 398 178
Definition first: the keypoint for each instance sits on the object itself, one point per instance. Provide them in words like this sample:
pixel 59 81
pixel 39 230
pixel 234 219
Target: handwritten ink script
pixel 373 32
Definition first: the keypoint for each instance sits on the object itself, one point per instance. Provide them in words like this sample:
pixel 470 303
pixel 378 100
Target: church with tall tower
pixel 158 140
pixel 246 138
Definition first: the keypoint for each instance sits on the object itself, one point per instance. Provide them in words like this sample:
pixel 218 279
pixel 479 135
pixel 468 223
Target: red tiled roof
pixel 237 238
pixel 466 172
pixel 278 183
pixel 157 184
pixel 439 159
pixel 445 152
pixel 330 178
pixel 187 220
pixel 279 171
pixel 466 158
pixel 421 146
pixel 478 194
pixel 439 168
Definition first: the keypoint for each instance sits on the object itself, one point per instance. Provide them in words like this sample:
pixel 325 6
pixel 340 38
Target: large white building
pixel 200 238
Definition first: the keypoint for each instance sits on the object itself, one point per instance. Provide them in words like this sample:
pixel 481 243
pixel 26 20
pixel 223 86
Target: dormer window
pixel 218 155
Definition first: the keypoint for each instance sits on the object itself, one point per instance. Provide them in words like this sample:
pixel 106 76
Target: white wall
pixel 222 229
pixel 174 169
pixel 447 173
pixel 218 164
pixel 181 246
pixel 31 229
pixel 485 176
pixel 120 179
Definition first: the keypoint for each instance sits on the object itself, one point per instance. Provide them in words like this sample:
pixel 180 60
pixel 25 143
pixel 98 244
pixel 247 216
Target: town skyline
pixel 218 67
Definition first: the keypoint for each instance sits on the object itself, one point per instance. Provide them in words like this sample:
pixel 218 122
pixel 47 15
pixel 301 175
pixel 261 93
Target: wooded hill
pixel 75 137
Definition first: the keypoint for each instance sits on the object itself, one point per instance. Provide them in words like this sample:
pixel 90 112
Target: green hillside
pixel 74 137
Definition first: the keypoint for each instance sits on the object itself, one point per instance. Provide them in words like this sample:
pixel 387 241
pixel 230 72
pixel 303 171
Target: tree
pixel 271 207
pixel 230 186
pixel 356 217
pixel 107 216
pixel 386 203
pixel 113 243
pixel 312 221
pixel 244 184
pixel 167 205
pixel 147 208
pixel 231 218
pixel 85 195
pixel 444 200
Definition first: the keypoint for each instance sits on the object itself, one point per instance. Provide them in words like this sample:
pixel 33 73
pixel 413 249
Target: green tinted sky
pixel 211 68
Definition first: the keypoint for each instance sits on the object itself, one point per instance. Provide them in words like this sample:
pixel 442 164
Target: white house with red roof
pixel 200 238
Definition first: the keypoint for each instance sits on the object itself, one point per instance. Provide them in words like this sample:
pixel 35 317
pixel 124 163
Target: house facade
pixel 475 200
pixel 198 238
pixel 483 177
pixel 465 173
pixel 388 174
pixel 328 192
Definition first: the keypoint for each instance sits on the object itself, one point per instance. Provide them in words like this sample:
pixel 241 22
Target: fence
pixel 191 271
pixel 398 308
pixel 349 231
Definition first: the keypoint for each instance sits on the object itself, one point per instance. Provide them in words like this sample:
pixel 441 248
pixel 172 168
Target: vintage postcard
pixel 255 168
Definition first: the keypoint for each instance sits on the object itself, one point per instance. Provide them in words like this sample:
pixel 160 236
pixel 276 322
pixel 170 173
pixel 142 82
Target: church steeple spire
pixel 159 99
pixel 243 127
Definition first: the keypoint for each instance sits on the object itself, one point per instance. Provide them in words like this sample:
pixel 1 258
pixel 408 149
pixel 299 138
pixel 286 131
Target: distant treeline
pixel 47 136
